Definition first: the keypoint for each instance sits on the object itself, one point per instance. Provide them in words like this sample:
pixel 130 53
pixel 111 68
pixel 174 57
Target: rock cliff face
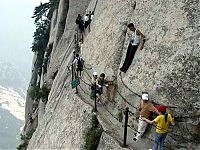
pixel 168 68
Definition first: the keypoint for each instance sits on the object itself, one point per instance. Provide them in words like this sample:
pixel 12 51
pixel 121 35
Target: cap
pixel 161 108
pixel 95 73
pixel 145 97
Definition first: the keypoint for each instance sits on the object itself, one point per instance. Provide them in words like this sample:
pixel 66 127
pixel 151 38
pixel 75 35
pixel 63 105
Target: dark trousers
pixel 129 57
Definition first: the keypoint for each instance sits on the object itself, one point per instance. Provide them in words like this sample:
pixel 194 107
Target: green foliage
pixel 42 14
pixel 41 11
pixel 54 4
pixel 41 37
pixel 25 140
pixel 44 92
pixel 36 93
pixel 93 135
pixel 45 61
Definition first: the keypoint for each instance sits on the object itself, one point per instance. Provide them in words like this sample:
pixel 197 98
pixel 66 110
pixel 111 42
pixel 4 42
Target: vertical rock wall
pixel 168 68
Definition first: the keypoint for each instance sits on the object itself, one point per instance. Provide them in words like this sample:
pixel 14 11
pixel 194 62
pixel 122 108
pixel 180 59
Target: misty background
pixel 16 37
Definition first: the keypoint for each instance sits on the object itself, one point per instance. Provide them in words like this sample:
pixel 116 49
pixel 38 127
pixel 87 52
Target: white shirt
pixel 92 17
pixel 86 18
pixel 76 60
pixel 135 39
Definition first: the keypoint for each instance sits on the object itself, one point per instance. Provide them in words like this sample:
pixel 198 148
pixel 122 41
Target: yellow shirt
pixel 162 126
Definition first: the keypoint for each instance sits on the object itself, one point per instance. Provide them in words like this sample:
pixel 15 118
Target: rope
pixel 88 74
pixel 95 5
pixel 67 51
pixel 106 108
pixel 125 100
pixel 128 87
pixel 84 80
pixel 86 67
pixel 155 101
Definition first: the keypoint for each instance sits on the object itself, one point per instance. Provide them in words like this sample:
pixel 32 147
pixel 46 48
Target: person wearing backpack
pixel 86 20
pixel 162 121
pixel 99 88
pixel 137 39
pixel 79 64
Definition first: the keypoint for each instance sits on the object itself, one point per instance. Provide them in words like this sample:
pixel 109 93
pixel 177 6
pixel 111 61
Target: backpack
pixel 79 63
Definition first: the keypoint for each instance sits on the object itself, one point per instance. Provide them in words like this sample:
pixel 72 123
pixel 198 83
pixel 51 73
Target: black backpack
pixel 79 63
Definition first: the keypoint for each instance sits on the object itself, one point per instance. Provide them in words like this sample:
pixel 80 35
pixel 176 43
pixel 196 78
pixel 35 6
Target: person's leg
pixel 130 58
pixel 162 139
pixel 98 96
pixel 157 141
pixel 89 26
pixel 141 128
pixel 127 57
pixel 86 24
pixel 80 73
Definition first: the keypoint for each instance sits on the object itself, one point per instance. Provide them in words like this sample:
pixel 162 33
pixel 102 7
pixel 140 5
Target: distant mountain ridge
pixel 13 83
pixel 13 78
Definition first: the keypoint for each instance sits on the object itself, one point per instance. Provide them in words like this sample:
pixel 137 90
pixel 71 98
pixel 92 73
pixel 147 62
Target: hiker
pixel 80 23
pixel 102 82
pixel 137 39
pixel 92 15
pixel 145 108
pixel 162 121
pixel 78 61
pixel 86 20
pixel 30 118
pixel 89 16
pixel 89 19
pixel 81 47
pixel 99 88
pixel 93 87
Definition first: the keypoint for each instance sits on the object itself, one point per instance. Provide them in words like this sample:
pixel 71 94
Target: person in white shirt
pixel 137 39
pixel 92 15
pixel 78 61
pixel 86 20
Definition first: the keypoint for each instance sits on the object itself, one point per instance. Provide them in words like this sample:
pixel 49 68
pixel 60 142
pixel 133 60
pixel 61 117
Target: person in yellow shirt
pixel 162 122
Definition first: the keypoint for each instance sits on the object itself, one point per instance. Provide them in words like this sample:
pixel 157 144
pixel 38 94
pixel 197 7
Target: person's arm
pixel 154 109
pixel 74 62
pixel 148 121
pixel 143 39
pixel 173 123
pixel 171 120
pixel 139 106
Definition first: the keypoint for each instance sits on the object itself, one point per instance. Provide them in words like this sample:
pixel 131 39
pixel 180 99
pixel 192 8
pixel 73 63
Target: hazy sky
pixel 16 30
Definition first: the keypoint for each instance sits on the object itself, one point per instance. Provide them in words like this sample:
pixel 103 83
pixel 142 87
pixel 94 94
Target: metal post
pixel 95 98
pixel 125 125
